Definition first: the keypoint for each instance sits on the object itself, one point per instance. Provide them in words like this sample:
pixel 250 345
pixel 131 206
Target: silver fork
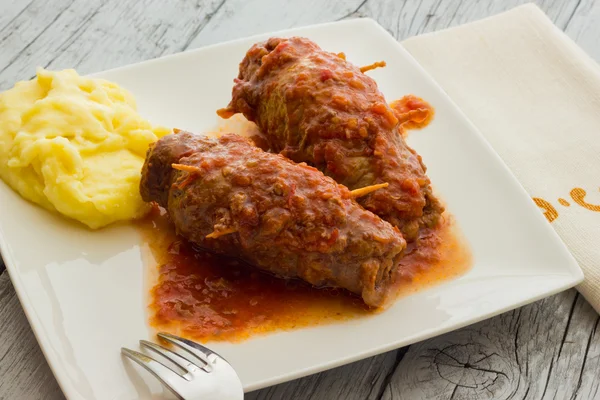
pixel 207 375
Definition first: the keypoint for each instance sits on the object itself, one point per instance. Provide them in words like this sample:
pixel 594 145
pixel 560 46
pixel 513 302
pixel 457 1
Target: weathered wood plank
pixel 407 19
pixel 584 27
pixel 545 350
pixel 361 380
pixel 12 10
pixel 24 373
pixel 549 349
pixel 254 17
pixel 94 36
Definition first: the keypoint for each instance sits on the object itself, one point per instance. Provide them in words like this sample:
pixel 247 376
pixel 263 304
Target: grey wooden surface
pixel 546 350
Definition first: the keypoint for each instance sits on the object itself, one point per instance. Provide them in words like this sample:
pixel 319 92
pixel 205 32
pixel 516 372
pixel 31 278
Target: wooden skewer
pixel 355 193
pixel 217 234
pixel 377 64
pixel 367 189
pixel 186 168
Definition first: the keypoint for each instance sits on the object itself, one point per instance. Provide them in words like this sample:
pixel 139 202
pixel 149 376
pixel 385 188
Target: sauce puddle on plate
pixel 412 112
pixel 205 297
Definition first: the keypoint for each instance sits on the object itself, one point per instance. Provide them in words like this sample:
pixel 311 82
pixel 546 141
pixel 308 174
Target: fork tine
pixel 166 375
pixel 184 363
pixel 193 348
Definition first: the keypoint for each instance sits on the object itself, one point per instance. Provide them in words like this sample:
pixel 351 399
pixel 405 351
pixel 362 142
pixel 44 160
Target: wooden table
pixel 546 350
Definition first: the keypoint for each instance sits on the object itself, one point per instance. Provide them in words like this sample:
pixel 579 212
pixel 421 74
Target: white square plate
pixel 84 292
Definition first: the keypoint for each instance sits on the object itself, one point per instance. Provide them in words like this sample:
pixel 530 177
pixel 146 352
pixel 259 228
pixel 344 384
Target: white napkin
pixel 535 96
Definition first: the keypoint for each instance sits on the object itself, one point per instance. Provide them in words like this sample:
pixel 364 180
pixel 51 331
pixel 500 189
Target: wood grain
pixel 24 373
pixel 546 350
pixel 549 349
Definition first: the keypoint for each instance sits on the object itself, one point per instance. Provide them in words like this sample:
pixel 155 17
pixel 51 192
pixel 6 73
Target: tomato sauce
pixel 412 112
pixel 208 297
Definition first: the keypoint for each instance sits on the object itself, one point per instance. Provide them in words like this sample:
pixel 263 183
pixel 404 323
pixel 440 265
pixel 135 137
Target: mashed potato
pixel 75 145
